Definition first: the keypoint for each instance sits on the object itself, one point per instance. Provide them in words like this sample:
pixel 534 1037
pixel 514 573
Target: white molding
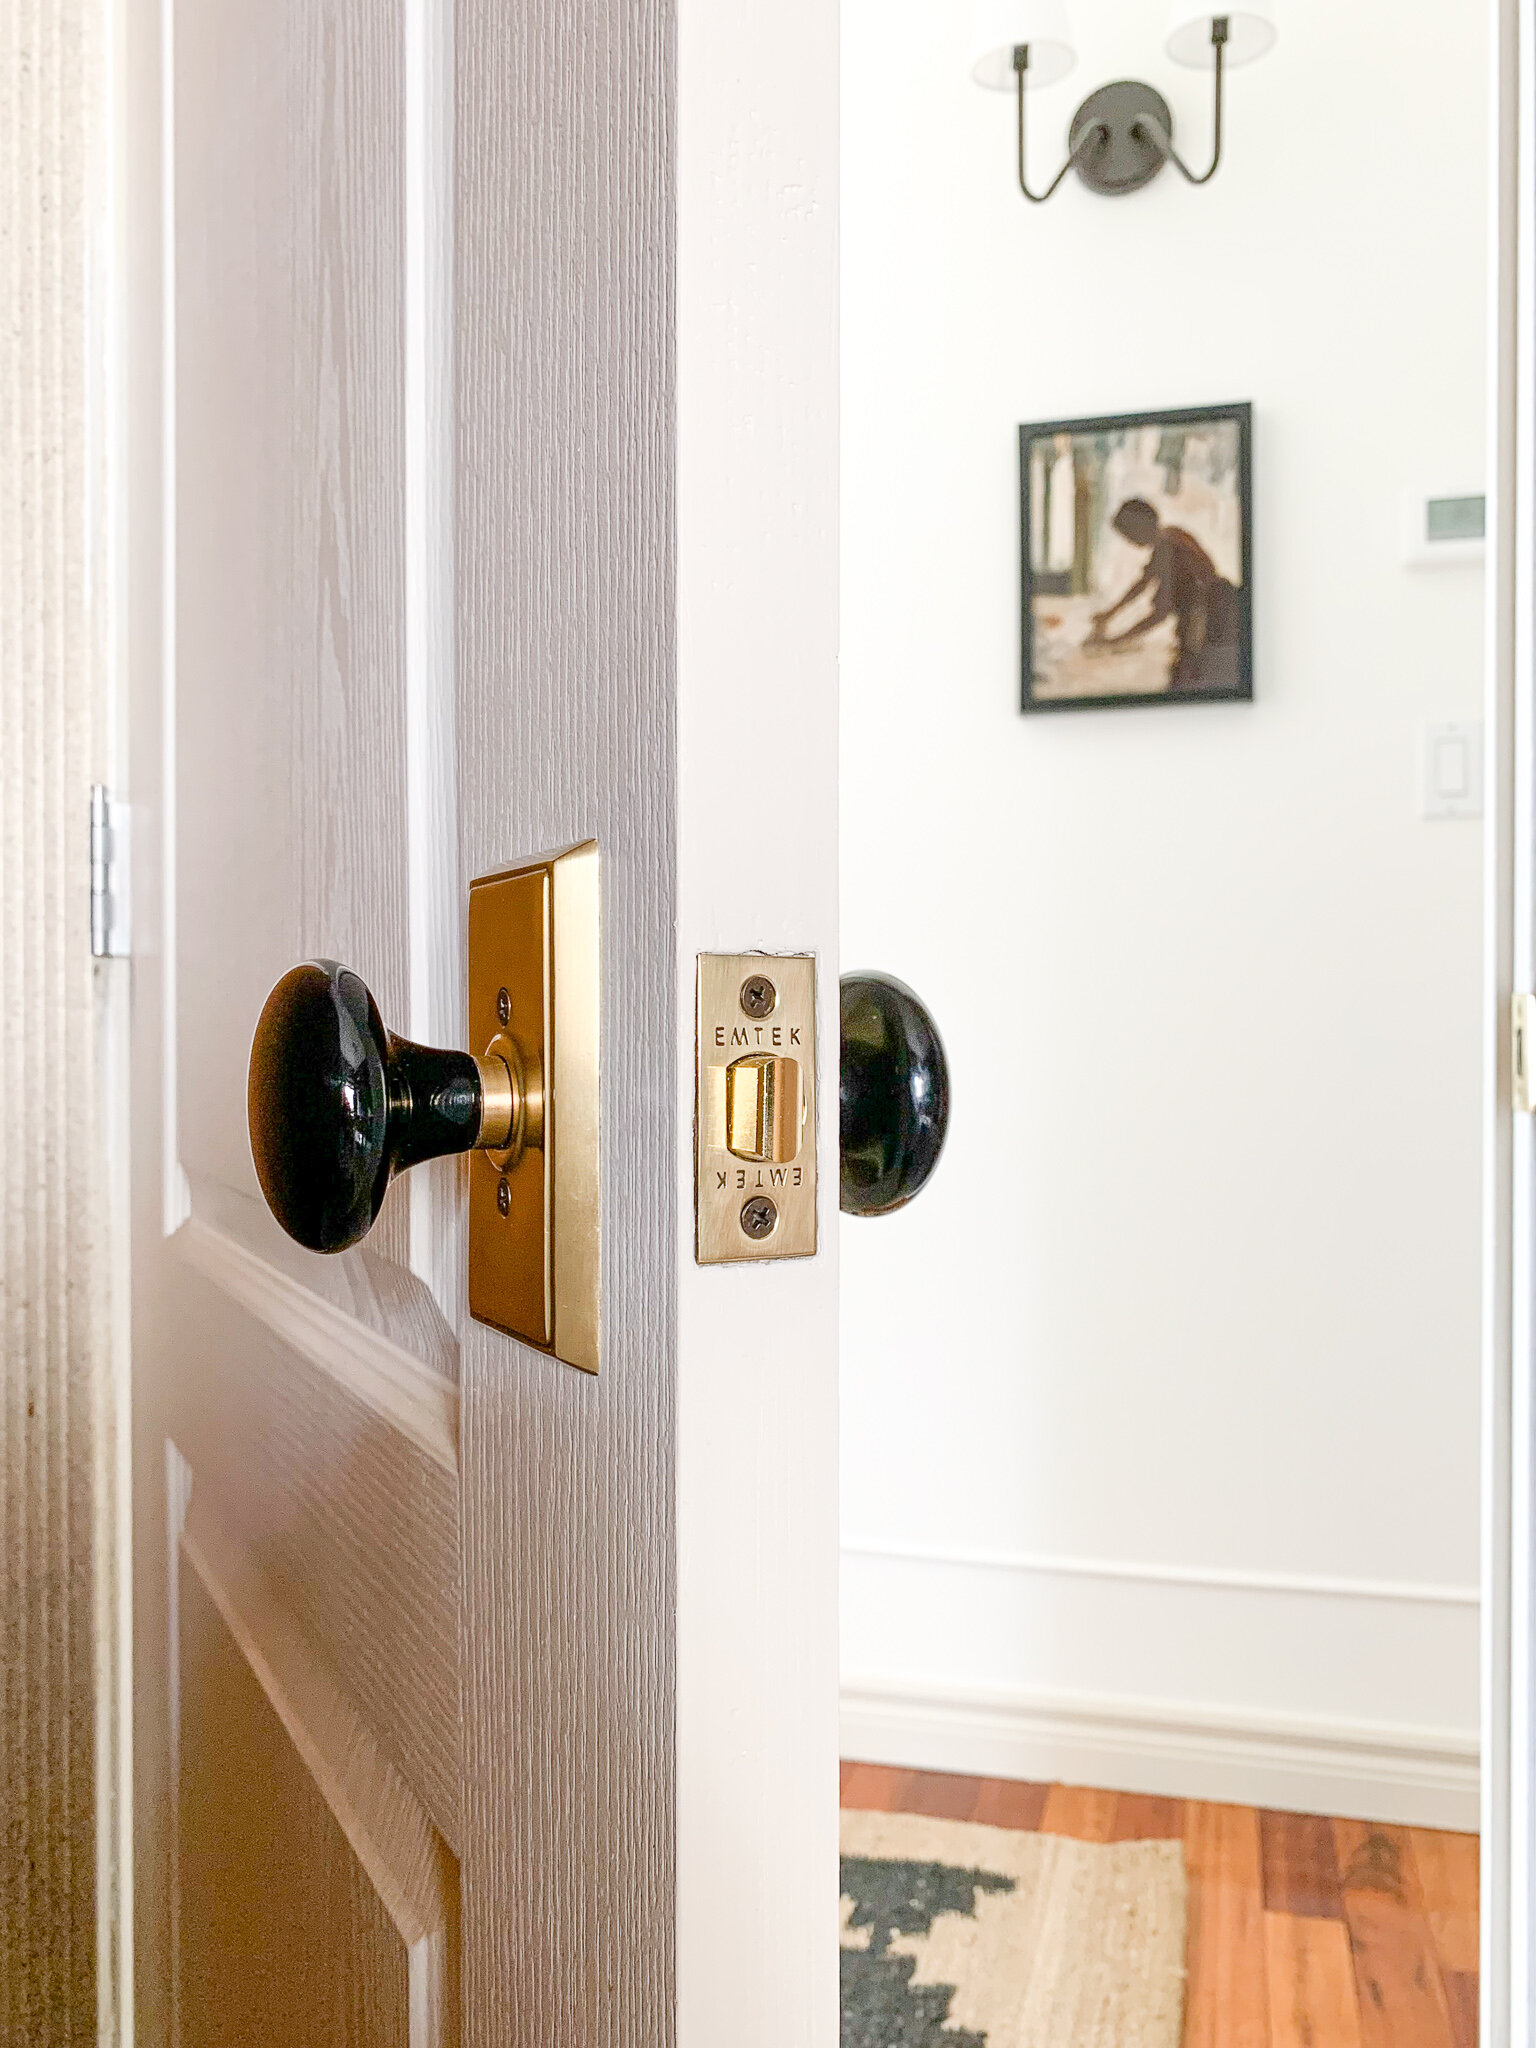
pixel 1423 1777
pixel 1509 961
pixel 1308 1585
pixel 178 1500
pixel 399 1388
pixel 434 911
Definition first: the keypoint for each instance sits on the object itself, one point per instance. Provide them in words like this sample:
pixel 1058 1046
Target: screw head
pixel 758 1216
pixel 758 996
pixel 503 1196
pixel 503 1006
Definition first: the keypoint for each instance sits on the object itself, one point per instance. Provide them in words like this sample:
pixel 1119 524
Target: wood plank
pixel 1078 1811
pixel 871 1788
pixel 1313 2001
pixel 941 1794
pixel 1140 1817
pixel 1227 2002
pixel 1374 1857
pixel 1353 1963
pixel 1403 2002
pixel 1300 1862
pixel 1011 1803
pixel 1461 1997
pixel 1447 1867
pixel 1402 1996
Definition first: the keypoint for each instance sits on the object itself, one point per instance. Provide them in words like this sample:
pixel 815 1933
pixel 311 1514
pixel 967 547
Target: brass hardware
pixel 755 1108
pixel 534 1186
pixel 1522 1051
pixel 758 995
pixel 523 1127
pixel 762 1108
pixel 498 1102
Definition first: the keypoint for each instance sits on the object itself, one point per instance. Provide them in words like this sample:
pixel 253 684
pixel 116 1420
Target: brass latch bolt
pixel 762 1108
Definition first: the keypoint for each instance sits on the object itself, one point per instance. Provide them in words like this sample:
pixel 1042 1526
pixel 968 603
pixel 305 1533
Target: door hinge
pixel 1522 1051
pixel 109 875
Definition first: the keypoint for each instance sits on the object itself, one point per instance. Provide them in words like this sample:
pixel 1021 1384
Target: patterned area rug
pixel 957 1936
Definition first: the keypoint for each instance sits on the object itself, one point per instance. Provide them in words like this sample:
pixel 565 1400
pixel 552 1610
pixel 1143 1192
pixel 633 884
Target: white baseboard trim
pixel 1422 1777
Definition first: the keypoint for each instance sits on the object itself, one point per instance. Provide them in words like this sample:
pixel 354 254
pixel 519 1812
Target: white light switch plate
pixel 1453 769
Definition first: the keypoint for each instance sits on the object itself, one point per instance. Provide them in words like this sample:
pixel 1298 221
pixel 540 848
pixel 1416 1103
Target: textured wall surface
pixel 49 1297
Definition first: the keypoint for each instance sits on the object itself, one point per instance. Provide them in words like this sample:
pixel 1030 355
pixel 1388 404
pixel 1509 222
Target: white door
pixel 482 501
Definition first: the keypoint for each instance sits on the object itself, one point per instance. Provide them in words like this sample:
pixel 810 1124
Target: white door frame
pixel 1509 1332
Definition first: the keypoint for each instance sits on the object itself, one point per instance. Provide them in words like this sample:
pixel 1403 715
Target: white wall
pixel 1160 1406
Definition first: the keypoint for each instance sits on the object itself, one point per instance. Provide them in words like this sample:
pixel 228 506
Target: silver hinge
pixel 109 875
pixel 1522 1051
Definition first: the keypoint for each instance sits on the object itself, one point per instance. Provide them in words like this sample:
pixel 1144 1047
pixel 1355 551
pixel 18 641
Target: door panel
pixel 237 1235
pixel 311 1742
pixel 316 1902
pixel 645 265
pixel 568 730
pixel 352 1523
pixel 413 506
pixel 290 708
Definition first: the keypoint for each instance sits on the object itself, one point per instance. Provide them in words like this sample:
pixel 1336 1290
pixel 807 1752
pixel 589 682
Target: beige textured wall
pixel 50 1294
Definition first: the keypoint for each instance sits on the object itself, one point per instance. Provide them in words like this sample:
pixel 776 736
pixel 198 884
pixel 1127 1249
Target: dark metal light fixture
pixel 1122 134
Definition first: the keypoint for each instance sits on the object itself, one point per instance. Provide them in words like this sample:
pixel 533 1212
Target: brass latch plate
pixel 534 1209
pixel 755 1107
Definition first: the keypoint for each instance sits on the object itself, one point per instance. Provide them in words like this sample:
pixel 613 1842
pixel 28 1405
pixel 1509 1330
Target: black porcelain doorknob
pixel 338 1105
pixel 894 1090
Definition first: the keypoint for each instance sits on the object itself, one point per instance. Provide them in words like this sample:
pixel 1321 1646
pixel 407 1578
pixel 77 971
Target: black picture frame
pixel 1211 674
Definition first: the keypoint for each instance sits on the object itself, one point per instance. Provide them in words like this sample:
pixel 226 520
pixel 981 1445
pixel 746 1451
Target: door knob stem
pixel 512 1096
pixel 435 1101
pixel 498 1103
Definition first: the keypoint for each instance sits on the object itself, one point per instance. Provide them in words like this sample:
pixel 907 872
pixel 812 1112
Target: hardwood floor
pixel 1304 1932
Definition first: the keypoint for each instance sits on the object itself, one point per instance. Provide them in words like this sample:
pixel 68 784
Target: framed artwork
pixel 1138 551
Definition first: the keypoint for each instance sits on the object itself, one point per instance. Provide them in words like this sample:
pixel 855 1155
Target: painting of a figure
pixel 1137 547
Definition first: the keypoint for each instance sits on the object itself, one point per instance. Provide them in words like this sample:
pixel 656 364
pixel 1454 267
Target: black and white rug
pixel 959 1936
